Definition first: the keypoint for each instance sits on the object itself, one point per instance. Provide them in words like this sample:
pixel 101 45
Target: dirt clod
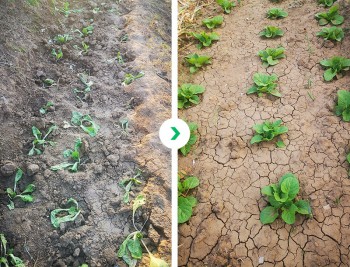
pixel 8 168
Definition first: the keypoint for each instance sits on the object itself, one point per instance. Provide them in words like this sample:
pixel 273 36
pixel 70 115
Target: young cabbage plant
pixel 271 32
pixel 129 78
pixel 85 122
pixel 276 13
pixel 332 33
pixel 82 94
pixel 271 56
pixel 197 62
pixel 25 195
pixel 40 142
pixel 73 155
pixel 335 67
pixel 264 84
pixel 58 55
pixel 342 108
pixel 62 38
pixel 188 95
pixel 268 131
pixel 193 139
pixel 86 31
pixel 66 10
pixel 68 214
pixel 44 109
pixel 282 200
pixel 186 202
pixel 213 22
pixel 205 39
pixel 226 5
pixel 127 183
pixel 7 258
pixel 332 16
pixel 326 3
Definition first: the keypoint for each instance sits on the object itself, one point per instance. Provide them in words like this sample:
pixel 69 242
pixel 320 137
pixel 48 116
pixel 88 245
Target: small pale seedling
pixel 129 78
pixel 332 16
pixel 205 39
pixel 281 197
pixel 85 122
pixel 66 11
pixel 58 55
pixel 332 33
pixel 271 32
pixel 335 67
pixel 84 49
pixel 193 138
pixel 226 5
pixel 276 13
pixel 40 142
pixel 213 22
pixel 186 203
pixel 127 183
pixel 187 95
pixel 271 56
pixel 342 109
pixel 6 255
pixel 264 84
pixel 268 131
pixel 49 82
pixel 196 61
pixel 120 59
pixel 86 31
pixel 83 93
pixel 62 38
pixel 73 155
pixel 326 3
pixel 25 195
pixel 43 110
pixel 68 214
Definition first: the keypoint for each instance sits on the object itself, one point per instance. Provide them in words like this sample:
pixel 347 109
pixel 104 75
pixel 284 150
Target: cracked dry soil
pixel 95 236
pixel 225 229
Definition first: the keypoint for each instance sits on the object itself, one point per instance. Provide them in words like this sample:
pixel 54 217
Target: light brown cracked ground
pixel 225 229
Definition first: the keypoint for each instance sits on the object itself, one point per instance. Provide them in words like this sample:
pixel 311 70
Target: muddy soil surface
pixel 225 229
pixel 140 31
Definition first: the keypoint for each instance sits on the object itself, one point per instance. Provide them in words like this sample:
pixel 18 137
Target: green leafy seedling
pixel 62 215
pixel 196 61
pixel 25 196
pixel 49 82
pixel 58 55
pixel 332 16
pixel 6 255
pixel 127 183
pixel 335 67
pixel 62 38
pixel 73 155
pixel 282 198
pixel 271 32
pixel 276 13
pixel 193 138
pixel 86 31
pixel 332 33
pixel 82 94
pixel 186 203
pixel 271 56
pixel 226 5
pixel 188 95
pixel 85 122
pixel 343 107
pixel 43 110
pixel 205 39
pixel 40 142
pixel 129 78
pixel 213 22
pixel 84 48
pixel 264 84
pixel 268 131
pixel 120 58
pixel 66 11
pixel 326 3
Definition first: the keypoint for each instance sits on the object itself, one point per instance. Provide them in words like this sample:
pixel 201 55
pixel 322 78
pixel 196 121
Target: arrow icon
pixel 177 133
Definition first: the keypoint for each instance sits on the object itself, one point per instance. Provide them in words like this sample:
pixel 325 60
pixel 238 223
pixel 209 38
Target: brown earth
pixel 109 157
pixel 225 229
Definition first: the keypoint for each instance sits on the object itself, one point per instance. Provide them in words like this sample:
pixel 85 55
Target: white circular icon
pixel 174 133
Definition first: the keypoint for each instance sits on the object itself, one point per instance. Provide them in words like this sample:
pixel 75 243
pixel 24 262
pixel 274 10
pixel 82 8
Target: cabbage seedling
pixel 326 3
pixel 213 22
pixel 205 39
pixel 128 183
pixel 226 5
pixel 193 139
pixel 271 56
pixel 332 16
pixel 66 11
pixel 332 33
pixel 188 94
pixel 264 84
pixel 6 255
pixel 276 13
pixel 268 131
pixel 62 215
pixel 343 107
pixel 58 55
pixel 40 141
pixel 73 155
pixel 43 110
pixel 129 78
pixel 271 32
pixel 62 38
pixel 335 66
pixel 85 122
pixel 186 203
pixel 196 61
pixel 25 195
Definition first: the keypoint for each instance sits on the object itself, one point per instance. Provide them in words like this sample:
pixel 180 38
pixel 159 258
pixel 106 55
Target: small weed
pixel 271 32
pixel 85 122
pixel 205 39
pixel 40 141
pixel 343 107
pixel 193 138
pixel 271 56
pixel 332 16
pixel 226 5
pixel 268 131
pixel 332 33
pixel 187 95
pixel 58 55
pixel 281 197
pixel 43 110
pixel 335 66
pixel 213 22
pixel 127 183
pixel 185 202
pixel 276 13
pixel 196 61
pixel 74 156
pixel 6 255
pixel 25 196
pixel 264 84
pixel 62 215
pixel 129 78
pixel 62 38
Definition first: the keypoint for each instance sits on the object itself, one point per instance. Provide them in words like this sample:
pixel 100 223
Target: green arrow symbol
pixel 177 133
